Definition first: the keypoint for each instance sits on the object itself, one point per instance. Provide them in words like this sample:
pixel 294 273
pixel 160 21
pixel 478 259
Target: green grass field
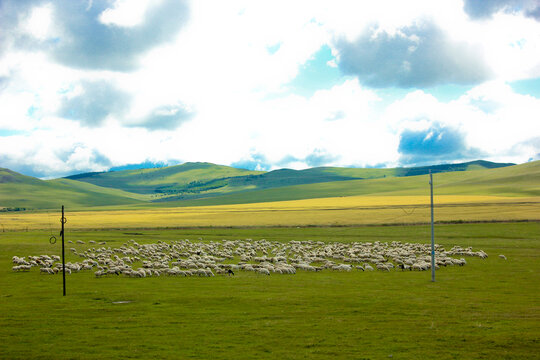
pixel 339 211
pixel 488 309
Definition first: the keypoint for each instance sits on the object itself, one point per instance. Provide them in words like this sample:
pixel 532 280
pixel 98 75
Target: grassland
pixel 202 184
pixel 509 193
pixel 21 191
pixel 340 211
pixel 165 179
pixel 488 309
pixel 513 181
pixel 205 180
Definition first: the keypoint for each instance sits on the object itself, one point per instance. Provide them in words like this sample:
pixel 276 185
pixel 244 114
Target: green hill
pixel 278 179
pixel 209 184
pixel 189 177
pixel 11 177
pixel 202 180
pixel 25 192
pixel 517 180
pixel 373 173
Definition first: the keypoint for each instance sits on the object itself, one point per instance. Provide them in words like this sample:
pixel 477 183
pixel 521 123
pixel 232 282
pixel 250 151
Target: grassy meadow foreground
pixel 486 309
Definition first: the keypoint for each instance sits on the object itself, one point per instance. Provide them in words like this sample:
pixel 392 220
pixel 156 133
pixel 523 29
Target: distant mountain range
pixel 208 184
pixel 193 180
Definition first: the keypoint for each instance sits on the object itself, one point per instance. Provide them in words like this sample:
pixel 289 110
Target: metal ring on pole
pixel 52 240
pixel 63 220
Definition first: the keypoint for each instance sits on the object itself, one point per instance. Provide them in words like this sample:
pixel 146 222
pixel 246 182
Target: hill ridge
pixel 193 180
pixel 209 184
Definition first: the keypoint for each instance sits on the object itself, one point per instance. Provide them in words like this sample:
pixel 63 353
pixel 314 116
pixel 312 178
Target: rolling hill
pixel 514 181
pixel 25 192
pixel 202 180
pixel 188 177
pixel 202 184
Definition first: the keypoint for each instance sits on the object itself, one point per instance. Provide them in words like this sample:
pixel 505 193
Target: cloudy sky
pixel 93 85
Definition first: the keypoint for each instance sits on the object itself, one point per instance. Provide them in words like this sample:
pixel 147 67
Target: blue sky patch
pixel 389 95
pixel 145 165
pixel 316 74
pixel 272 49
pixel 448 92
pixel 257 162
pixel 5 132
pixel 443 93
pixel 527 87
pixel 31 111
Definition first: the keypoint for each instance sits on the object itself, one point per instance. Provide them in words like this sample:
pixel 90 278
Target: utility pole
pixel 432 231
pixel 63 221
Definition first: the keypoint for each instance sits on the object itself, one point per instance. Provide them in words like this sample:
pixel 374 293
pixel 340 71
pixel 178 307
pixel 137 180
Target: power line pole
pixel 63 221
pixel 432 231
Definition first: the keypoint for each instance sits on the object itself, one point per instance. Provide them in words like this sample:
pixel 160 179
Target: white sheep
pixel 186 258
pixel 99 273
pixel 382 267
pixel 368 267
pixel 263 271
pixel 46 271
pixel 21 268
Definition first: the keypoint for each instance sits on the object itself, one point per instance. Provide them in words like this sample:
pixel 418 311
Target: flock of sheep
pixel 187 258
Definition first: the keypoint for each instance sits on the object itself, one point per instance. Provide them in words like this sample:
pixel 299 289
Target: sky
pixel 98 84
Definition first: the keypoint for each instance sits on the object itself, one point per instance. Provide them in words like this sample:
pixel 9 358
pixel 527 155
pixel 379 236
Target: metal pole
pixel 432 231
pixel 63 221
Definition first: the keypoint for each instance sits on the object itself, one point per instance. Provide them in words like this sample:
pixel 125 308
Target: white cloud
pixel 220 95
pixel 14 111
pixel 512 119
pixel 38 24
pixel 492 117
pixel 125 13
pixel 511 43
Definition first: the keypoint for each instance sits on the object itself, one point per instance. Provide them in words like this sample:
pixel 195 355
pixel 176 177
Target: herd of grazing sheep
pixel 187 258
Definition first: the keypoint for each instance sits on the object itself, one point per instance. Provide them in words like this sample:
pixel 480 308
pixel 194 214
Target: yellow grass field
pixel 353 210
